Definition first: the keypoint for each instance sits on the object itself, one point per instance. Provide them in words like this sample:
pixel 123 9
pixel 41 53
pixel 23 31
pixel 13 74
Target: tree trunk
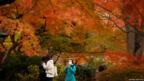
pixel 132 13
pixel 139 48
pixel 135 41
pixel 7 53
pixel 130 39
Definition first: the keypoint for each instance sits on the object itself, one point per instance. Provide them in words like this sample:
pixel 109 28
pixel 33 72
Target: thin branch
pixel 118 26
pixel 109 18
pixel 8 52
pixel 57 59
pixel 117 16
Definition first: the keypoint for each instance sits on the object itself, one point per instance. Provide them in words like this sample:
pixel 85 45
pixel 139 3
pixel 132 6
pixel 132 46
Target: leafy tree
pixel 133 17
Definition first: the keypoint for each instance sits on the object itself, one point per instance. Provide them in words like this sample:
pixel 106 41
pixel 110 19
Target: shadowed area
pixel 3 2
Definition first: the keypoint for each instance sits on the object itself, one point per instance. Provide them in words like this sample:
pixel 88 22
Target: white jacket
pixel 49 68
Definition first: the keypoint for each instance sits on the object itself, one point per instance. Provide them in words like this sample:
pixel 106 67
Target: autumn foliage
pixel 123 59
pixel 28 43
pixel 36 27
pixel 124 67
pixel 133 13
pixel 72 19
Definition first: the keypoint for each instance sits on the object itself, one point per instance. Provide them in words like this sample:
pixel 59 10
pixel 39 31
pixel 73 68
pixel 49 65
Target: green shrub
pixel 83 73
pixel 17 64
pixel 87 72
pixel 77 47
pixel 61 74
pixel 31 75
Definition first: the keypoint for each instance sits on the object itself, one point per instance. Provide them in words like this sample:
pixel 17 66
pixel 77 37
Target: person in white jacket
pixel 49 69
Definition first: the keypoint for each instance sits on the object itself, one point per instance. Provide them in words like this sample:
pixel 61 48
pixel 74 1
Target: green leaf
pixel 7 43
pixel 17 36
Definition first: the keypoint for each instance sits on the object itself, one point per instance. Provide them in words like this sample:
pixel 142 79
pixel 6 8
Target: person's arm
pixel 65 69
pixel 73 69
pixel 50 64
pixel 44 65
pixel 47 65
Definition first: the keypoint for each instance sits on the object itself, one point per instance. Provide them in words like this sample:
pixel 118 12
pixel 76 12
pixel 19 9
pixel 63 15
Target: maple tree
pixel 33 27
pixel 133 17
pixel 20 38
pixel 72 19
pixel 126 15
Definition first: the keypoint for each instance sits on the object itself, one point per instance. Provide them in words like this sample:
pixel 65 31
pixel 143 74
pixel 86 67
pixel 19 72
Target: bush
pixel 61 74
pixel 123 74
pixel 124 67
pixel 83 73
pixel 31 75
pixel 16 64
pixel 87 72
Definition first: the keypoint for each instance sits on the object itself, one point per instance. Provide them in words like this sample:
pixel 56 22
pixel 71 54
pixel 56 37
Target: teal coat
pixel 70 73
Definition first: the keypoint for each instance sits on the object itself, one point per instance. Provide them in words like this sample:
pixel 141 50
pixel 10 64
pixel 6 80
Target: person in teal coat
pixel 70 71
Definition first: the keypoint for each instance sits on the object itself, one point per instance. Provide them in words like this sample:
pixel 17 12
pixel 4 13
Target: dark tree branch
pixel 118 26
pixel 117 16
pixel 57 59
pixel 4 2
pixel 110 19
pixel 7 53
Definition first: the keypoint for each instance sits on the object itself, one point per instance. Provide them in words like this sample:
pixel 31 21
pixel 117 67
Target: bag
pixel 55 71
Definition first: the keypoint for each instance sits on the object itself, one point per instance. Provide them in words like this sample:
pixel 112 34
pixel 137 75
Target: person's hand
pixel 66 65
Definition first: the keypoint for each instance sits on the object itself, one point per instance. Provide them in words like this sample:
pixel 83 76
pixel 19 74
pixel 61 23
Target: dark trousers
pixel 49 79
